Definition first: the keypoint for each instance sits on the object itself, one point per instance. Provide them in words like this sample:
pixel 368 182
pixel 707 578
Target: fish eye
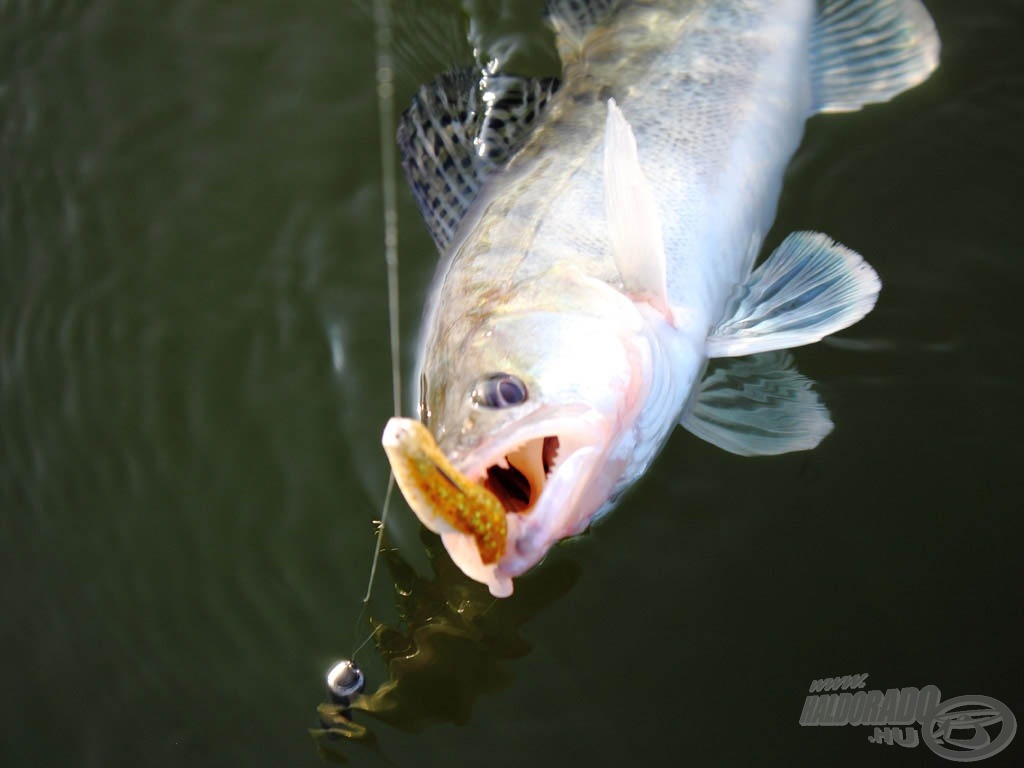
pixel 499 390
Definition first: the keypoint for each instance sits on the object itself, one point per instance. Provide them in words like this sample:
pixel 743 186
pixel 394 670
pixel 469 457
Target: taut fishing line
pixel 345 679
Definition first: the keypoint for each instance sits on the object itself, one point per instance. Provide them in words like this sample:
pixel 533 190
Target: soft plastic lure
pixel 445 500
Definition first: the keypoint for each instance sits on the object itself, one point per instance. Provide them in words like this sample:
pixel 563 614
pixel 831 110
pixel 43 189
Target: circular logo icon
pixel 969 728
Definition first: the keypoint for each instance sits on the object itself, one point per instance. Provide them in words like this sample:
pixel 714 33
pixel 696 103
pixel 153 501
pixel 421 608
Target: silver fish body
pixel 611 254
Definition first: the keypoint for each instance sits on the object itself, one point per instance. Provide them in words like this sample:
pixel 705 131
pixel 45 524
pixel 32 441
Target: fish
pixel 598 235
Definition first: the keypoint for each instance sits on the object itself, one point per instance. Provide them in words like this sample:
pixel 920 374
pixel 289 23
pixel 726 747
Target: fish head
pixel 551 411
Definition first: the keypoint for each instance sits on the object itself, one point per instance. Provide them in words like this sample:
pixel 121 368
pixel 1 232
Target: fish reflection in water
pixel 453 638
pixel 449 647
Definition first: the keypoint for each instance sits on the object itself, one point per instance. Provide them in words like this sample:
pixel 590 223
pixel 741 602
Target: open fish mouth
pixel 501 507
pixel 525 468
pixel 544 475
pixel 518 478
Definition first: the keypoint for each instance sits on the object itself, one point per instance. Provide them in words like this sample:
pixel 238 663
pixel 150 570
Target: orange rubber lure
pixel 443 499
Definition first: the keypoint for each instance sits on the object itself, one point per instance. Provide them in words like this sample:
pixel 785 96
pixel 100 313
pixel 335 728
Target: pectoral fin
pixel 634 225
pixel 808 288
pixel 758 406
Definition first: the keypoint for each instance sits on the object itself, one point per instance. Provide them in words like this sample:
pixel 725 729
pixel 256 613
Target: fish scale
pixel 601 249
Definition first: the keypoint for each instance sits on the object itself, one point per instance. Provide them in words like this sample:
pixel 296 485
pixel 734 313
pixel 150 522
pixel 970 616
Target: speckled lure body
pixel 441 496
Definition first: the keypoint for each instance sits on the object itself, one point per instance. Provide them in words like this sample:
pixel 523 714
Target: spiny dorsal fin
pixel 867 51
pixel 459 130
pixel 512 106
pixel 572 21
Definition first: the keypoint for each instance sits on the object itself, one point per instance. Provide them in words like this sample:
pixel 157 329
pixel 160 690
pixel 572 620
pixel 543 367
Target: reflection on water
pixel 450 645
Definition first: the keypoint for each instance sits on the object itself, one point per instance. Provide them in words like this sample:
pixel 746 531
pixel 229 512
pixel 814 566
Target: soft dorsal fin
pixel 459 130
pixel 572 21
pixel 867 51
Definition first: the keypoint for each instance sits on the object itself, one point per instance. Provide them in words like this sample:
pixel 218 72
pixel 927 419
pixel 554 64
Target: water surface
pixel 194 376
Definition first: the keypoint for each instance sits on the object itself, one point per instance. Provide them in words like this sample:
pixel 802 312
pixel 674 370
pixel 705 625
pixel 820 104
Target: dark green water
pixel 194 376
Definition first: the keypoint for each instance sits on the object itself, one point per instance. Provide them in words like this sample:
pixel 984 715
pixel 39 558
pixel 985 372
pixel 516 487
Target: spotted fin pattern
pixel 459 130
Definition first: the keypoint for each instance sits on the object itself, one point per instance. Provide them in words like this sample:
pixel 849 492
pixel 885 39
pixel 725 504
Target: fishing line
pixel 388 164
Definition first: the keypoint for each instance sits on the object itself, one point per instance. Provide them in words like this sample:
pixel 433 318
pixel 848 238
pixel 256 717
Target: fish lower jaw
pixel 540 480
pixel 518 477
pixel 517 470
pixel 565 507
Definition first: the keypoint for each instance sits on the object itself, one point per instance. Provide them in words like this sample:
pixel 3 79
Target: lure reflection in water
pixel 450 645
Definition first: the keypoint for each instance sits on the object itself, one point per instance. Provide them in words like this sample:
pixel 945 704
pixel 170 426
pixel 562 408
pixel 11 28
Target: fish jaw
pixel 546 472
pixel 500 510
